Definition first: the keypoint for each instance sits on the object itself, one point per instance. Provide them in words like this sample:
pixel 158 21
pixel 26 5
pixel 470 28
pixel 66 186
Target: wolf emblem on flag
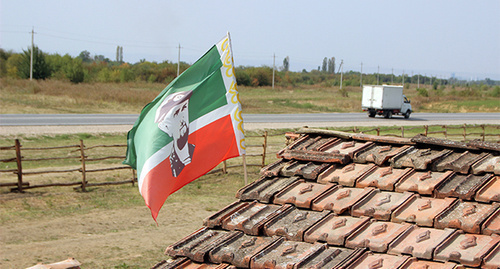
pixel 193 125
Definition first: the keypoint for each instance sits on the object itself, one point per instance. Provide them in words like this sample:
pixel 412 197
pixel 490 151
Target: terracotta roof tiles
pixel 339 200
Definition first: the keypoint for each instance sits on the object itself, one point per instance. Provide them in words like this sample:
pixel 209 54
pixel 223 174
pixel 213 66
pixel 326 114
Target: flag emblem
pixel 193 125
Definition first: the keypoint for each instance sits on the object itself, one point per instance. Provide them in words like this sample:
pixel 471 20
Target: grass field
pixel 106 226
pixel 47 96
pixel 109 226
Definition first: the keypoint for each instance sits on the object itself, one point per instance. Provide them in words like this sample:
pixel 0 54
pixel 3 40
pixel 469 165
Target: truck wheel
pixel 388 114
pixel 371 114
pixel 407 114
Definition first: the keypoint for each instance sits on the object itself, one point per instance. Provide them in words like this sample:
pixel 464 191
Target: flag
pixel 193 125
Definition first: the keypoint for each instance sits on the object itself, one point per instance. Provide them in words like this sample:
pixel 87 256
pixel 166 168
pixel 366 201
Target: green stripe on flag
pixel 203 74
pixel 204 101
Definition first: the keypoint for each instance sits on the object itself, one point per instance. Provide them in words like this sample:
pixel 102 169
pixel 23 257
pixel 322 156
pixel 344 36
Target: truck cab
pixel 406 107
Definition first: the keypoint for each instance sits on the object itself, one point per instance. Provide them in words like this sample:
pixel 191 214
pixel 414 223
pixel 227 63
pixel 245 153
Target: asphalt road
pixel 350 118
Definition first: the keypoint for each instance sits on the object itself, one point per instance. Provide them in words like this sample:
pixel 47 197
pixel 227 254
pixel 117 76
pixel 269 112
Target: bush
pixel 423 92
pixel 469 92
pixel 104 75
pixel 496 91
pixel 344 92
pixel 75 72
pixel 41 69
pixel 440 92
pixel 435 85
pixel 242 77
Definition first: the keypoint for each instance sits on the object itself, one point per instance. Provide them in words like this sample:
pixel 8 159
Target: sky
pixel 434 38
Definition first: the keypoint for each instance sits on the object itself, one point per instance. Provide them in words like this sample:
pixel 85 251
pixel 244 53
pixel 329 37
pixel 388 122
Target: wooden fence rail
pixel 84 159
pixel 479 131
pixel 22 184
pixel 444 130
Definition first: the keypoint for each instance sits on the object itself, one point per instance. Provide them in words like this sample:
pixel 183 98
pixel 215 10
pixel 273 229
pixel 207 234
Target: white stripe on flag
pixel 152 162
pixel 164 152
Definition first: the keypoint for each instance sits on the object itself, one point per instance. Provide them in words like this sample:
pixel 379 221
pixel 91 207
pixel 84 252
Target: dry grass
pixel 51 96
pixel 107 226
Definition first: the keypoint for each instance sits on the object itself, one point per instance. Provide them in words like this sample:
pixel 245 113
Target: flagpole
pixel 245 173
pixel 245 168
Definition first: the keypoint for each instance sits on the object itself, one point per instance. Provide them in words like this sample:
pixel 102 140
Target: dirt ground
pixel 127 238
pixel 124 238
pixel 98 237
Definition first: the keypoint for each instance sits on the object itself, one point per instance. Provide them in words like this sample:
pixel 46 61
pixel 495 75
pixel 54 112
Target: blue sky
pixel 438 38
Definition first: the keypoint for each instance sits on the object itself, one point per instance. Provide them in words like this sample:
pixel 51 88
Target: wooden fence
pixel 77 151
pixel 256 154
pixel 489 132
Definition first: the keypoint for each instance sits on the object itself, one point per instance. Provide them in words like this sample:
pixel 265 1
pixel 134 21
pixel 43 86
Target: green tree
pixel 331 65
pixel 41 70
pixel 58 65
pixel 242 77
pixel 12 65
pixel 101 58
pixel 85 56
pixel 325 65
pixel 74 71
pixel 119 54
pixel 286 64
pixel 4 56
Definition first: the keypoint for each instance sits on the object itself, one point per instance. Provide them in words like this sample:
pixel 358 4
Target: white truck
pixel 385 100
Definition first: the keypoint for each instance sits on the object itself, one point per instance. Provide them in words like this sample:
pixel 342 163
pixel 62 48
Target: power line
pixel 104 42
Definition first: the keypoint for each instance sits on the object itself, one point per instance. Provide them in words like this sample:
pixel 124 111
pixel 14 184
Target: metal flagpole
pixel 245 172
pixel 179 59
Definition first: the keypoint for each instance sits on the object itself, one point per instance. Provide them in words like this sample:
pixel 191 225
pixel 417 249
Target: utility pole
pixel 361 76
pixel 341 72
pixel 179 59
pixel 32 47
pixel 274 60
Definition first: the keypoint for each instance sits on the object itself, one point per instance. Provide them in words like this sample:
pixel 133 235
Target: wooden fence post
pixel 426 129
pixel 224 167
pixel 484 134
pixel 402 131
pixel 264 149
pixel 19 166
pixel 82 154
pixel 378 131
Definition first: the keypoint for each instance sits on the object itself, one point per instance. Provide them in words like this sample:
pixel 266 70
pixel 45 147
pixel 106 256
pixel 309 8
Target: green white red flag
pixel 193 125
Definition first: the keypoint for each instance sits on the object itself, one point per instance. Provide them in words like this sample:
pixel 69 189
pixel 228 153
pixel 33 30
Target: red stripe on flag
pixel 214 143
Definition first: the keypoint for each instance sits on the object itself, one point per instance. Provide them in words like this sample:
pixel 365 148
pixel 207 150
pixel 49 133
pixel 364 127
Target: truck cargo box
pixel 382 97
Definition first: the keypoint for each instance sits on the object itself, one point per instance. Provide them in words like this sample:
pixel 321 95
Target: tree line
pixel 87 69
